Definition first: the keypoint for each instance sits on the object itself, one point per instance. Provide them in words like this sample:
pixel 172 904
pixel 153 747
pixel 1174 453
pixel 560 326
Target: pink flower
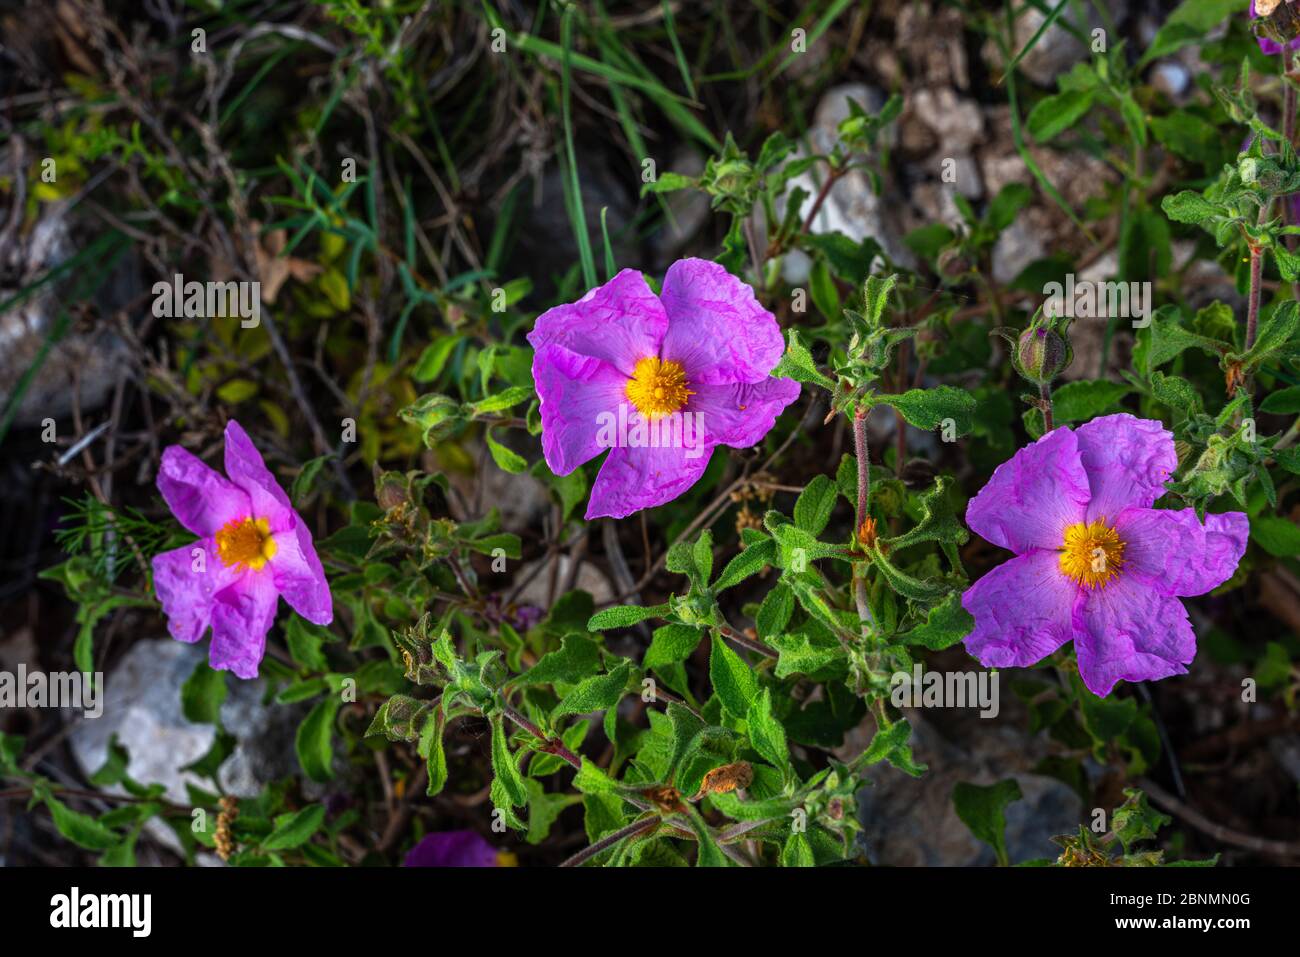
pixel 658 380
pixel 1095 563
pixel 456 849
pixel 252 548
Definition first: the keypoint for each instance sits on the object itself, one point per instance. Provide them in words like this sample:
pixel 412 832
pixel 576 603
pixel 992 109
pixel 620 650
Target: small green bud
pixel 436 414
pixel 733 176
pixel 1042 354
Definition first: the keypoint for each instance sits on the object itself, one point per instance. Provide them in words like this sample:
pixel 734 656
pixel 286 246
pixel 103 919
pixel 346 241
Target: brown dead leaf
pixel 276 269
pixel 729 777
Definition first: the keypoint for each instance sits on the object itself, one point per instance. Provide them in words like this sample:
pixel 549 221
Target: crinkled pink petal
pixel 1128 630
pixel 1179 554
pixel 635 478
pixel 201 499
pixel 241 616
pixel 575 391
pixel 620 322
pixel 1033 496
pixel 740 414
pixel 298 576
pixel 1023 611
pixel 246 469
pixel 187 584
pixel 452 849
pixel 1127 460
pixel 717 330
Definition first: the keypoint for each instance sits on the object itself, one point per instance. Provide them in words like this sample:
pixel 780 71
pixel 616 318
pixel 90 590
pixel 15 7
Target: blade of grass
pixel 638 145
pixel 335 97
pixel 1042 28
pixel 823 24
pixel 536 46
pixel 677 49
pixel 501 231
pixel 678 115
pixel 249 87
pixel 610 268
pixel 395 342
pixel 1018 138
pixel 577 212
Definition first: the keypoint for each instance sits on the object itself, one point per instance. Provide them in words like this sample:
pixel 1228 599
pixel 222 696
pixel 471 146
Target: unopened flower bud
pixel 953 263
pixel 1041 354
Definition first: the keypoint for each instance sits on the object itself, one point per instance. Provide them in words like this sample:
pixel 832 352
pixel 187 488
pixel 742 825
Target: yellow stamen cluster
pixel 1092 553
pixel 657 387
pixel 245 542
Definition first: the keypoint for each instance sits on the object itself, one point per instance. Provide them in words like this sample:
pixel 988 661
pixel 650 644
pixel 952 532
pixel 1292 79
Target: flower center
pixel 1092 553
pixel 657 387
pixel 245 542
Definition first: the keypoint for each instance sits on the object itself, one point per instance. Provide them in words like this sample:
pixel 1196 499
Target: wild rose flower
pixel 1094 562
pixel 252 548
pixel 659 380
pixel 1270 47
pixel 456 849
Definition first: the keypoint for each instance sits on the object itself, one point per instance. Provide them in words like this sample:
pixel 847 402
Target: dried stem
pixel 1260 845
pixel 642 826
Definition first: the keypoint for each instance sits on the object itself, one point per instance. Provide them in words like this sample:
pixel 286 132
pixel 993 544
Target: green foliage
pixel 758 621
pixel 982 810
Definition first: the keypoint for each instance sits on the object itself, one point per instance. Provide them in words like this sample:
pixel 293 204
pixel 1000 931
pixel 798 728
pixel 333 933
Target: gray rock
pixel 911 821
pixel 935 200
pixel 1016 248
pixel 851 207
pixel 931 37
pixel 833 109
pixel 142 706
pixel 83 366
pixel 1171 78
pixel 544 246
pixel 966 177
pixel 1057 50
pixel 958 123
pixel 1286 749
pixel 590 579
pixel 1088 333
pixel 521 499
pixel 796 267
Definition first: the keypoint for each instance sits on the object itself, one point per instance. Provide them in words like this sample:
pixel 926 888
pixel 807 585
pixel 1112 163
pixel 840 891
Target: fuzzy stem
pixel 864 498
pixel 609 840
pixel 1045 393
pixel 864 466
pixel 1288 133
pixel 551 746
pixel 1252 303
pixel 556 747
pixel 832 176
pixel 1288 113
pixel 726 631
